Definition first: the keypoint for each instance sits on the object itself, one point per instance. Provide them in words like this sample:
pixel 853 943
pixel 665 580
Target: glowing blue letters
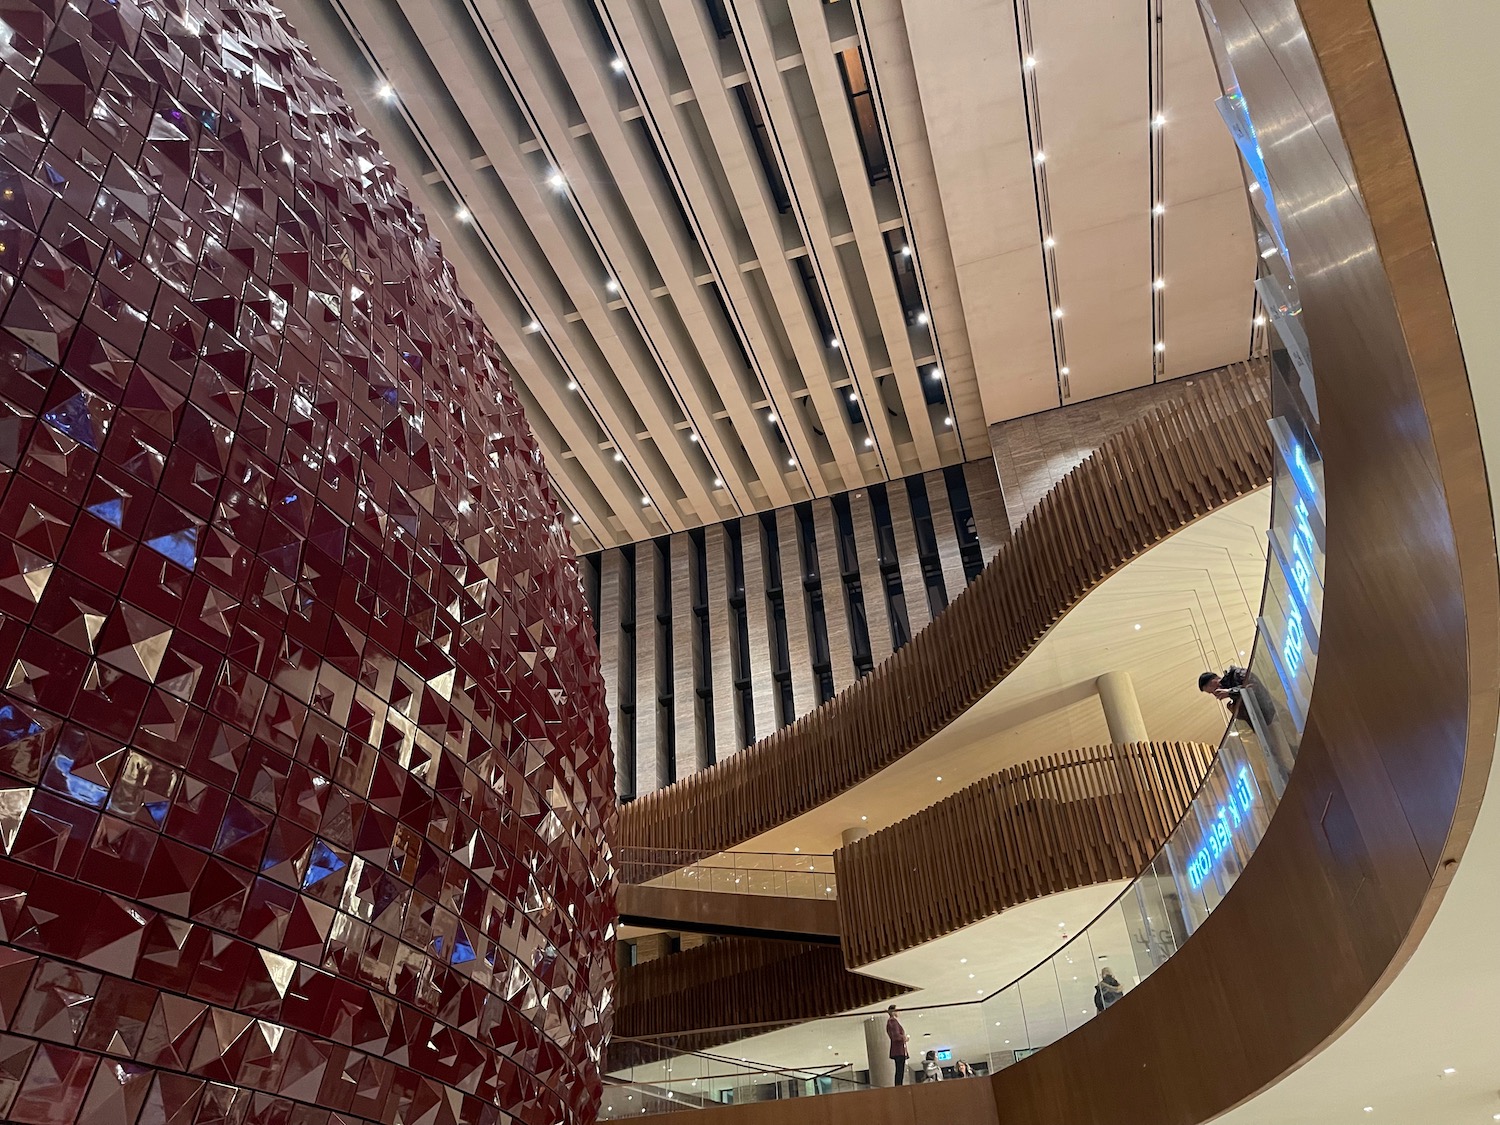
pixel 1220 835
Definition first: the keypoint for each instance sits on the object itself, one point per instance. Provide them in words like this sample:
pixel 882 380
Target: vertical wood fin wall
pixel 1153 478
pixel 1062 821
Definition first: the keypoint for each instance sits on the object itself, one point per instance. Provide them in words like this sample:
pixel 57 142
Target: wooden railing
pixel 737 986
pixel 1146 482
pixel 1059 822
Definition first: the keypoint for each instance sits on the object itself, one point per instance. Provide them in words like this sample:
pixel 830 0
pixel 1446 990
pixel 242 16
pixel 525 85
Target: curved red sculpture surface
pixel 303 754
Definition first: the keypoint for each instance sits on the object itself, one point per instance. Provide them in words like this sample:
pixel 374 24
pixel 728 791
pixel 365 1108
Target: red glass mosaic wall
pixel 303 754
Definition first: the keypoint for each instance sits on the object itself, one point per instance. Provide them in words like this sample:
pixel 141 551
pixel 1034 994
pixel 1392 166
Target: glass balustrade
pixel 783 874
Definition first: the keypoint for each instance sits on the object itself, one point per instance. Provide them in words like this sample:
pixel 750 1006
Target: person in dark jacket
pixel 1108 990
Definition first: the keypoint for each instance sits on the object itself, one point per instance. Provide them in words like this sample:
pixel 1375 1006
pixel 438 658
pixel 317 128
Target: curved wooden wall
pixel 1148 481
pixel 1059 822
pixel 701 998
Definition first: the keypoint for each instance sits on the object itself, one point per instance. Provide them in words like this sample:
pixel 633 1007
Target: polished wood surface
pixel 1063 821
pixel 1401 729
pixel 1140 486
pixel 720 912
pixel 702 998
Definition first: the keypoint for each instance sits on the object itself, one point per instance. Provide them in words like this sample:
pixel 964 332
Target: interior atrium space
pixel 773 562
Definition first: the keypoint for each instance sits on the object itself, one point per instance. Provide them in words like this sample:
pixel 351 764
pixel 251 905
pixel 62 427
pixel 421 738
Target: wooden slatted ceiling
pixel 1150 480
pixel 1059 822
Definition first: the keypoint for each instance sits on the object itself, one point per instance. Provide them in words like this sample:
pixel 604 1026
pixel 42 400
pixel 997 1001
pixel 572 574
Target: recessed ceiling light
pixel 937 373
pixel 1268 252
pixel 534 326
pixel 963 960
pixel 718 483
pixel 971 977
pixel 1259 321
pixel 796 849
pixel 1159 120
pixel 577 518
pixel 791 462
pixel 619 456
pixel 1063 370
pixel 1159 209
pixel 864 818
pixel 1161 345
pixel 1049 242
pixel 834 343
pixel 869 442
pixel 617 65
pixel 692 435
pixel 1040 158
pixel 462 215
pixel 948 421
pixel 1057 313
pixel 1159 283
pixel 921 318
pixel 645 501
pixel 612 285
pixel 771 417
pixel 1448 1070
pixel 386 93
pixel 1369 1109
pixel 1138 627
pixel 1030 62
pixel 557 181
pixel 853 397
pixel 572 385
pixel 940 777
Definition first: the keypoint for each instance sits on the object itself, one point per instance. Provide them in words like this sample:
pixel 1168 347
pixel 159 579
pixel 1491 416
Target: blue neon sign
pixel 1220 835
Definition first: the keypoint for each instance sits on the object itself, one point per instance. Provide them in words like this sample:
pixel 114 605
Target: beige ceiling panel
pixel 927 227
pixel 1209 252
pixel 1208 297
pixel 1092 92
pixel 969 78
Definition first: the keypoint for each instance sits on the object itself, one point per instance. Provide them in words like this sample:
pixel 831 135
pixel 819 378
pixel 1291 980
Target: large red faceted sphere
pixel 303 754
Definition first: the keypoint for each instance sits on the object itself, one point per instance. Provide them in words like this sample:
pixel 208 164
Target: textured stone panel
pixel 303 750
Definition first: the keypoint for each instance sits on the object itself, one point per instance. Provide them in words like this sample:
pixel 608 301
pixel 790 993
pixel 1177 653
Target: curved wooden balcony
pixel 1143 484
pixel 1064 821
pixel 1400 731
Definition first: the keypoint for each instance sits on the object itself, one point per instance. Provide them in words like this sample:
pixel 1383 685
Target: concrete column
pixel 849 835
pixel 878 1050
pixel 1122 710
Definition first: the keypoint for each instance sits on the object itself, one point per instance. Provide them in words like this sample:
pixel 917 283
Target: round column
pixel 1122 710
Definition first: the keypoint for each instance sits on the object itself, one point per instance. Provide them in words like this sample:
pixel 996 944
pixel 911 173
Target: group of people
pixel 1106 992
pixel 932 1069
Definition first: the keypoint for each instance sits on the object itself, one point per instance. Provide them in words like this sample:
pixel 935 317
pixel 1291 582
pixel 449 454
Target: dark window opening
pixel 904 271
pixel 890 566
pixel 963 516
pixel 927 547
pixel 814 297
pixel 703 676
pixel 764 149
pixel 776 596
pixel 744 703
pixel 866 120
pixel 854 597
pixel 666 682
pixel 668 188
pixel 625 680
pixel 720 17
